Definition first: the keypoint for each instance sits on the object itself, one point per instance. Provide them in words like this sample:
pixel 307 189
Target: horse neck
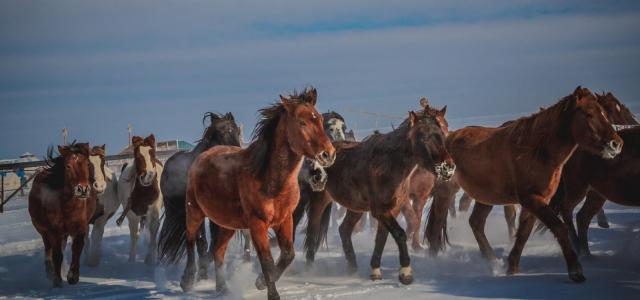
pixel 549 132
pixel 204 145
pixel 283 162
pixel 398 156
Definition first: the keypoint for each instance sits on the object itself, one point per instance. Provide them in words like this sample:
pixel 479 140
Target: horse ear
pixel 62 150
pixel 229 116
pixel 286 103
pixel 424 102
pixel 443 111
pixel 312 96
pixel 104 146
pixel 136 140
pixel 150 140
pixel 412 118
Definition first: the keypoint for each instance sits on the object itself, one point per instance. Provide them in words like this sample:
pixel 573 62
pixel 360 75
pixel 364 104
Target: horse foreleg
pixel 134 233
pixel 593 205
pixel 246 236
pixel 260 238
pixel 546 215
pixel 220 241
pixel 465 202
pixel 95 248
pixel 76 250
pixel 381 239
pixel 398 234
pixel 526 222
pixel 413 225
pixel 284 234
pixel 510 217
pixel 345 230
pixel 48 260
pixel 124 213
pixel 57 256
pixel 153 221
pixel 477 220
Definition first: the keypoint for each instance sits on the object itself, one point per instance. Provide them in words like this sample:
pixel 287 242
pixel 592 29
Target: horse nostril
pixel 324 155
pixel 613 144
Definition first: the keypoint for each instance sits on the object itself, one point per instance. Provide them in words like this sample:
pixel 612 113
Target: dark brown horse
pixel 614 179
pixel 222 130
pixel 255 188
pixel 61 203
pixel 139 193
pixel 522 163
pixel 373 174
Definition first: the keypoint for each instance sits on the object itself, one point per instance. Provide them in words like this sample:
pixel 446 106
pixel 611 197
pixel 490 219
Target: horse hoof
pixel 57 282
pixel 221 289
pixel 577 277
pixel 406 275
pixel 73 278
pixel 376 274
pixel 352 269
pixel 260 284
pixel 203 276
pixel 273 297
pixel 186 284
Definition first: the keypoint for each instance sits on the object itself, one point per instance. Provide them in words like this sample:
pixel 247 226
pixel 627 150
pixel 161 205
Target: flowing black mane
pixel 263 134
pixel 332 115
pixel 209 136
pixel 54 170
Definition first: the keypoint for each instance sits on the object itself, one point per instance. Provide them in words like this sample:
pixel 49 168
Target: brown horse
pixel 373 174
pixel 255 188
pixel 522 163
pixel 139 193
pixel 61 203
pixel 612 179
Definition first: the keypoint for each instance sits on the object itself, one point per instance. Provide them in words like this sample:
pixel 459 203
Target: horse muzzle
pixel 99 188
pixel 612 149
pixel 325 159
pixel 81 191
pixel 445 170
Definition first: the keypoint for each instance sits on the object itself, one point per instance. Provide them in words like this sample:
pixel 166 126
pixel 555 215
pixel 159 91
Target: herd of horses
pixel 301 161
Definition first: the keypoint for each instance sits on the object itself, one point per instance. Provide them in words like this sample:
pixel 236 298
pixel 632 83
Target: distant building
pixel 176 145
pixel 11 180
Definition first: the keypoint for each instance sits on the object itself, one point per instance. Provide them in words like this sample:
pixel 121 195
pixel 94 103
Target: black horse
pixel 222 130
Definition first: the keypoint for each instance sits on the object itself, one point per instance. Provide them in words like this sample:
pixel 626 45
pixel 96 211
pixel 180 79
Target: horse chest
pixel 142 197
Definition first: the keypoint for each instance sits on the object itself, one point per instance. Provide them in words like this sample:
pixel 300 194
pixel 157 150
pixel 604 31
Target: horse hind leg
pixel 510 217
pixel 345 230
pixel 246 236
pixel 477 220
pixel 48 260
pixel 203 252
pixel 153 223
pixel 73 276
pixel 195 219
pixel 593 205
pixel 527 220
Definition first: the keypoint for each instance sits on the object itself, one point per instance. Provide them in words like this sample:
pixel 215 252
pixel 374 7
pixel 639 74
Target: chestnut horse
pixel 61 203
pixel 255 188
pixel 372 175
pixel 222 130
pixel 522 163
pixel 612 179
pixel 139 193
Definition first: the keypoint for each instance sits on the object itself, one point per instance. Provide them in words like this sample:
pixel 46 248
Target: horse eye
pixel 303 124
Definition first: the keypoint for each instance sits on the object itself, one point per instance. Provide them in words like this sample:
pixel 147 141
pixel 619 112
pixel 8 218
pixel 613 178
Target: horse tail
pixel 173 234
pixel 435 232
pixel 124 166
pixel 313 240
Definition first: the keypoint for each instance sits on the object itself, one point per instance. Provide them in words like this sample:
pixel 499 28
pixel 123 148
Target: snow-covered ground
pixel 614 273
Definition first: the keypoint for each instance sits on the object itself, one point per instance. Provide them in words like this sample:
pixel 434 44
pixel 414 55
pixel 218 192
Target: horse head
pixel 590 126
pixel 144 156
pixel 427 132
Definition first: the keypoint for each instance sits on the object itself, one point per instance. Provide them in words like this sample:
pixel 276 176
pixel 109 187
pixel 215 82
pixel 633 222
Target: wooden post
pixel 130 130
pixel 65 133
pixel 2 195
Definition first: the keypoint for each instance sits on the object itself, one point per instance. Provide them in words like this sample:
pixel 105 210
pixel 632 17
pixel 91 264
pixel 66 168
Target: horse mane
pixel 263 134
pixel 54 166
pixel 332 115
pixel 213 116
pixel 526 131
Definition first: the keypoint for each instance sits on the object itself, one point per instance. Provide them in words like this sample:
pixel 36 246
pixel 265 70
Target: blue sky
pixel 95 66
